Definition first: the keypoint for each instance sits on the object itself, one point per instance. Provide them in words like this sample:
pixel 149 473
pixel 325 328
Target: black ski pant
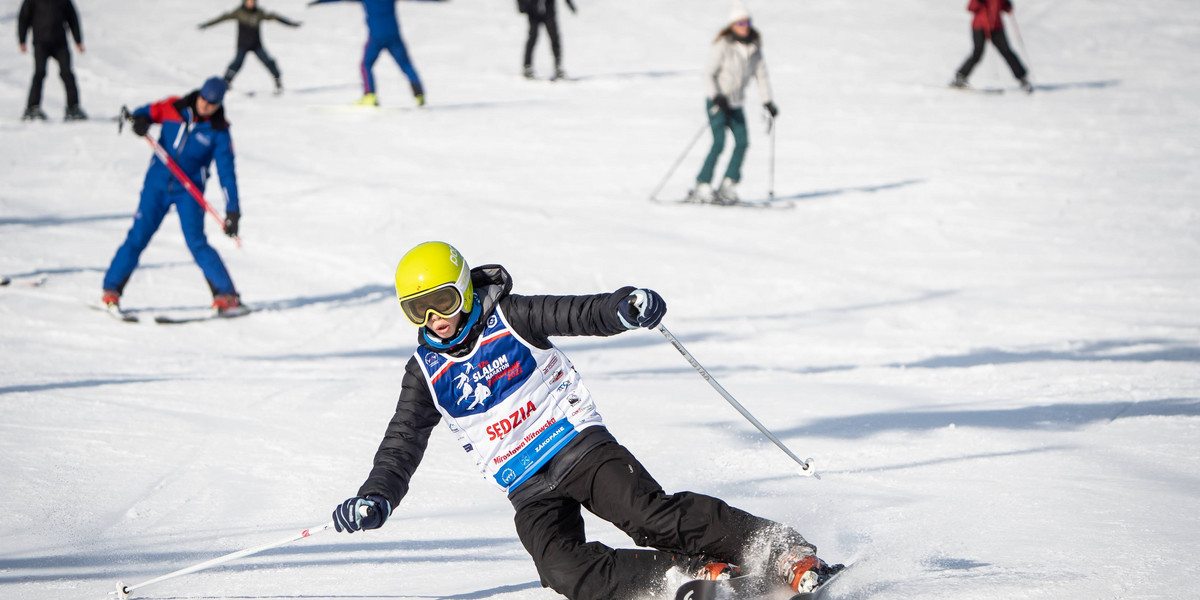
pixel 260 52
pixel 549 20
pixel 611 484
pixel 1000 41
pixel 61 53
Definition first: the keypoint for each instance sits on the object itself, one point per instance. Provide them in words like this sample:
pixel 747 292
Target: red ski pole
pixel 185 181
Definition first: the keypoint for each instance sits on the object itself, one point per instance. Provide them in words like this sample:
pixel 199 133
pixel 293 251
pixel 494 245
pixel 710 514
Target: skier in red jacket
pixel 987 24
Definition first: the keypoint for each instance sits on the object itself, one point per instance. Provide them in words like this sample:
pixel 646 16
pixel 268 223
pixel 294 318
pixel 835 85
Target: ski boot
pixel 74 113
pixel 702 194
pixel 527 71
pixel 713 571
pixel 1026 86
pixel 33 113
pixel 368 99
pixel 111 300
pixel 559 74
pixel 696 567
pixel 229 305
pixel 278 86
pixel 418 94
pixel 959 82
pixel 727 194
pixel 802 571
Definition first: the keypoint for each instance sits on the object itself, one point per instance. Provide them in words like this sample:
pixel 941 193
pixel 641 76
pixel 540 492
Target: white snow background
pixel 980 318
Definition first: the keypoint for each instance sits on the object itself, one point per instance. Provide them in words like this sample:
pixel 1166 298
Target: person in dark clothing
pixel 49 20
pixel 542 13
pixel 987 24
pixel 485 366
pixel 249 39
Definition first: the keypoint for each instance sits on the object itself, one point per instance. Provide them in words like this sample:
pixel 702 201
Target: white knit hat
pixel 738 12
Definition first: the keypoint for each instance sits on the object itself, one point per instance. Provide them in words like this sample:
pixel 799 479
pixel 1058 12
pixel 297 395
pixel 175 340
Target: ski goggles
pixel 444 301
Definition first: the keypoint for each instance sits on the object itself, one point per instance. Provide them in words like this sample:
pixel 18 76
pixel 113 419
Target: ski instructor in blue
pixel 195 134
pixel 383 32
pixel 485 366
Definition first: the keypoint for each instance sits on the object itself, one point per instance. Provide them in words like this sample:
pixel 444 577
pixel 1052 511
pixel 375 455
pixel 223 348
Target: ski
pixel 36 281
pixel 178 319
pixel 760 204
pixel 985 90
pixel 116 312
pixel 749 587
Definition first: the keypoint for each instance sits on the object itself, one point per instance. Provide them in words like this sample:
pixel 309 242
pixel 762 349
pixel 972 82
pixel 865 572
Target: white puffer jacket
pixel 731 64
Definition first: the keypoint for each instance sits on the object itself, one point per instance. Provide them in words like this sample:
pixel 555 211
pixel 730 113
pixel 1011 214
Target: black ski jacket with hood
pixel 534 318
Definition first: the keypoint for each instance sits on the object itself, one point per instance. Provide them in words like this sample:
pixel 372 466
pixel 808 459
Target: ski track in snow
pixel 979 318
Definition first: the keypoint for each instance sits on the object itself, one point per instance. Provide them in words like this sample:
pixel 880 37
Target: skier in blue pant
pixel 194 133
pixel 383 33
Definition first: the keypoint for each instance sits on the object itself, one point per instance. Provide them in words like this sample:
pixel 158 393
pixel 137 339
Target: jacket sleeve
pixel 223 155
pixel 225 17
pixel 406 438
pixel 73 23
pixel 536 318
pixel 712 70
pixel 24 20
pixel 281 19
pixel 155 110
pixel 764 81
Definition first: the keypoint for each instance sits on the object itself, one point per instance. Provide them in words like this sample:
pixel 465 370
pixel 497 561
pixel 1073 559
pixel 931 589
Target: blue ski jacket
pixel 382 22
pixel 194 143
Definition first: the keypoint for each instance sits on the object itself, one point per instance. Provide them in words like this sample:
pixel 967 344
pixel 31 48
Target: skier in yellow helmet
pixel 486 366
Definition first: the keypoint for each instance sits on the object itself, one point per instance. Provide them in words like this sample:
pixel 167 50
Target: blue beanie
pixel 213 90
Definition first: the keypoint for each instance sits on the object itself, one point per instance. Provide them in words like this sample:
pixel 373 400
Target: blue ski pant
pixel 733 119
pixel 395 46
pixel 153 206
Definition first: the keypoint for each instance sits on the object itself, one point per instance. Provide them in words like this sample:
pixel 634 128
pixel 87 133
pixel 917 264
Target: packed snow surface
pixel 980 317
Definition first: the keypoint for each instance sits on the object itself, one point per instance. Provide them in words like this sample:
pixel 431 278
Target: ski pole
pixel 671 171
pixel 181 176
pixel 1012 16
pixel 806 466
pixel 123 590
pixel 771 178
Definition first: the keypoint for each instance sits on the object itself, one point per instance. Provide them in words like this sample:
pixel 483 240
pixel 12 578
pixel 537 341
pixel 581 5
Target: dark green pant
pixel 735 120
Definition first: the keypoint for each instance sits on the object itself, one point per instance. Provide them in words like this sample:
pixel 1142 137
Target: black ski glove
pixel 141 124
pixel 771 109
pixel 360 513
pixel 231 223
pixel 641 308
pixel 721 102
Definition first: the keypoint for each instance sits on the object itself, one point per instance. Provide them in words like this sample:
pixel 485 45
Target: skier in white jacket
pixel 736 57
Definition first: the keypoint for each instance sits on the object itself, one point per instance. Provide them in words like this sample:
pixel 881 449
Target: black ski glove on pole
pixel 141 124
pixel 360 513
pixel 231 223
pixel 642 308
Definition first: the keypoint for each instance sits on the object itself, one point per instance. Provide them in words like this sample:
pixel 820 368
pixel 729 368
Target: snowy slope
pixel 980 318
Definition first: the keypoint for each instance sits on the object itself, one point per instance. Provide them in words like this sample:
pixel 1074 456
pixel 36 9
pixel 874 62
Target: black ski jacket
pixel 534 318
pixel 49 20
pixel 249 37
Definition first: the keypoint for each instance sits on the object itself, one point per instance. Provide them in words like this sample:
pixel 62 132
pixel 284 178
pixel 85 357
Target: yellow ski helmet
pixel 433 277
